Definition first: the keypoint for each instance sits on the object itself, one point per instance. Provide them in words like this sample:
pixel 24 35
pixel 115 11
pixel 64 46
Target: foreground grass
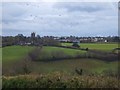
pixel 68 66
pixel 59 80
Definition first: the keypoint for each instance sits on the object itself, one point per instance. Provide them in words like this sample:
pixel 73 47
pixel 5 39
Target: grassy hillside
pixel 71 52
pixel 13 53
pixel 65 50
pixel 88 65
pixel 97 46
pixel 22 72
pixel 13 62
pixel 13 57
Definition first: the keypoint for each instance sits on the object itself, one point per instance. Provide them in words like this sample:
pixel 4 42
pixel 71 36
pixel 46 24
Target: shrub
pixel 79 71
pixel 60 80
pixel 76 45
pixel 34 55
pixel 59 55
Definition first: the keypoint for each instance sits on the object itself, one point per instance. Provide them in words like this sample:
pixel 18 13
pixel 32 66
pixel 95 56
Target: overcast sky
pixel 60 18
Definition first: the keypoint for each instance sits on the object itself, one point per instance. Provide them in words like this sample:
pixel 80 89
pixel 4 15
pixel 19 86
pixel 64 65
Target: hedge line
pixel 59 80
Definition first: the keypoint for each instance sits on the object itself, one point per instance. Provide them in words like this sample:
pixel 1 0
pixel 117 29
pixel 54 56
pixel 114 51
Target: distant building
pixel 95 40
pixel 106 41
pixel 76 41
pixel 76 44
pixel 33 38
pixel 33 35
pixel 20 35
pixel 38 36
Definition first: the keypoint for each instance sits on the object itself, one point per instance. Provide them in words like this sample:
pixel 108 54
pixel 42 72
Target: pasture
pixel 13 61
pixel 96 46
pixel 11 54
pixel 68 66
pixel 65 50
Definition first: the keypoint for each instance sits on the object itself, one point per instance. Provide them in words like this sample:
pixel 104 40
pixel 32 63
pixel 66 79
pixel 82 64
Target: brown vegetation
pixel 60 80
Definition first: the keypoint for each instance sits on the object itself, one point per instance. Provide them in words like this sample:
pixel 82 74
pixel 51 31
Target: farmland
pixel 60 44
pixel 68 66
pixel 13 53
pixel 13 56
pixel 96 46
pixel 19 70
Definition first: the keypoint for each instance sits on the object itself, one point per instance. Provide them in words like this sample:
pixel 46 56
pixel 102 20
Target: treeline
pixel 36 41
pixel 51 40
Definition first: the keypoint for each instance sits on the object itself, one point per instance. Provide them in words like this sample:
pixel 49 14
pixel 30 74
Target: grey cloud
pixel 56 20
pixel 12 12
pixel 80 6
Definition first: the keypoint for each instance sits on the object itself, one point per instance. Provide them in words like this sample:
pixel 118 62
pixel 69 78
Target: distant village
pixel 36 40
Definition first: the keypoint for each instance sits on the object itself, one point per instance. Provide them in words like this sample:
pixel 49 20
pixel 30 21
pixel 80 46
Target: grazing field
pixel 19 71
pixel 13 62
pixel 67 51
pixel 13 53
pixel 13 56
pixel 96 46
pixel 68 66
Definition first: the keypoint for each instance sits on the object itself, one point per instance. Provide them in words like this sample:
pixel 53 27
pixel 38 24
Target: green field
pixel 12 61
pixel 68 66
pixel 13 53
pixel 66 51
pixel 96 46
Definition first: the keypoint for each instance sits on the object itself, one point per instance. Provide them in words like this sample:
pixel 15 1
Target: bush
pixel 79 71
pixel 34 54
pixel 60 80
pixel 76 45
pixel 21 67
pixel 59 55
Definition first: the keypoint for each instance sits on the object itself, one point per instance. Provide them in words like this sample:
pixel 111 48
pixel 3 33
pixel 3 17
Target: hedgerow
pixel 60 80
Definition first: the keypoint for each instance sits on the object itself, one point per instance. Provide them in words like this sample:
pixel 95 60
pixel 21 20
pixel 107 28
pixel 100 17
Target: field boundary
pixel 93 54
